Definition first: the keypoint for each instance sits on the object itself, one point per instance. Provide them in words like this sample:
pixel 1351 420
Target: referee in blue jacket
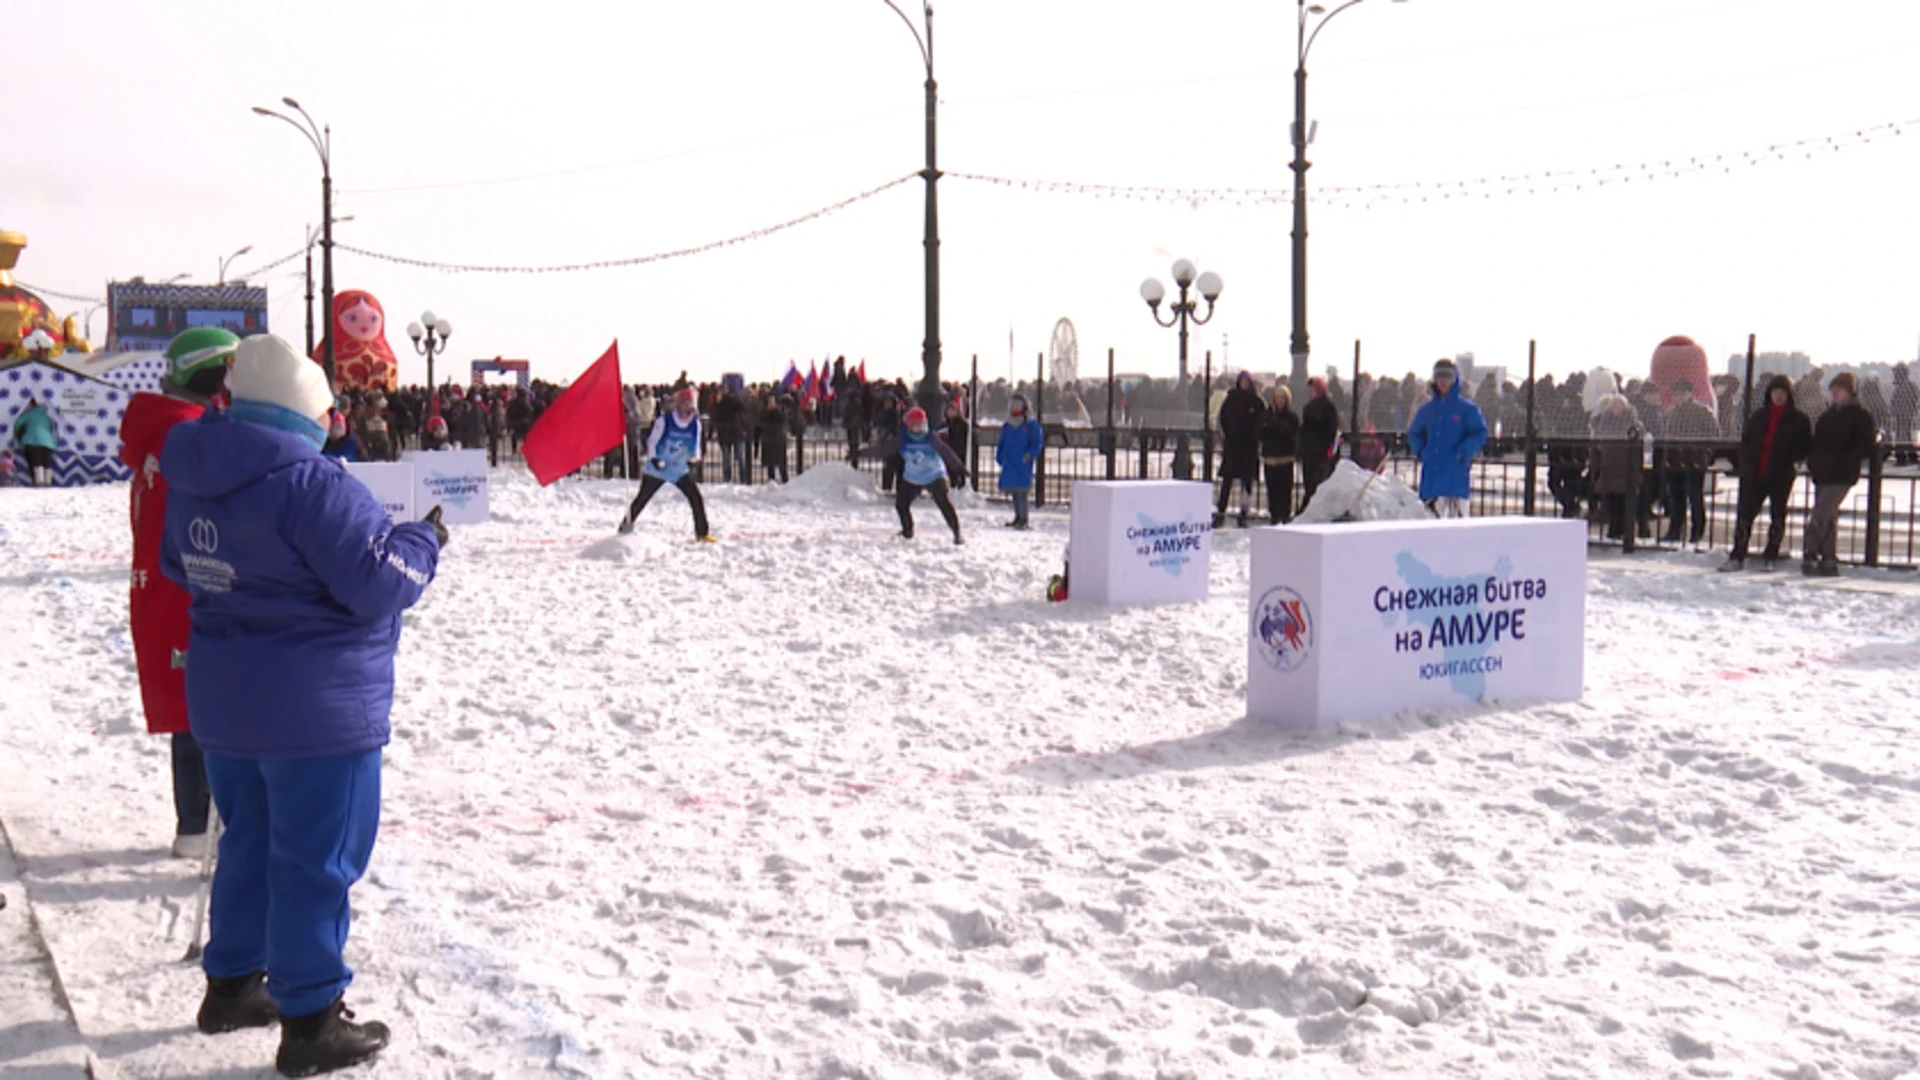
pixel 1446 434
pixel 297 582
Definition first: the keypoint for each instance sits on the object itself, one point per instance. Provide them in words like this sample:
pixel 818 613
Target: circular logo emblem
pixel 1283 624
pixel 203 536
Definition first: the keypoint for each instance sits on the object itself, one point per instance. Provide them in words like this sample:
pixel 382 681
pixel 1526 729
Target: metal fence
pixel 1879 524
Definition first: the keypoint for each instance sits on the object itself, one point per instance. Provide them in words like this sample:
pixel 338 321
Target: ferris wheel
pixel 1064 355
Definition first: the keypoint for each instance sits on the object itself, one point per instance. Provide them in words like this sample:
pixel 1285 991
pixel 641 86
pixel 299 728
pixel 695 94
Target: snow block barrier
pixel 1141 541
pixel 1362 620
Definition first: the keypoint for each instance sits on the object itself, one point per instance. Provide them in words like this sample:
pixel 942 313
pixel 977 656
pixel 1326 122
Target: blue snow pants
pixel 299 834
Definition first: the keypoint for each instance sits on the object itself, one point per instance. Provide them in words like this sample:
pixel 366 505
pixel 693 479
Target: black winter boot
pixel 327 1041
pixel 233 1004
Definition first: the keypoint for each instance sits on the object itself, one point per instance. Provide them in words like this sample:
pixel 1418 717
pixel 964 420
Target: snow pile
pixel 767 808
pixel 1386 499
pixel 837 482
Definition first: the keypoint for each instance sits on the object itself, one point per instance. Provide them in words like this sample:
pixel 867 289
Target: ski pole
pixel 214 829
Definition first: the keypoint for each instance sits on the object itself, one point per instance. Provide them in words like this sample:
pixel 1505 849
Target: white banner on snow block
pixel 1360 620
pixel 1141 541
pixel 454 480
pixel 391 483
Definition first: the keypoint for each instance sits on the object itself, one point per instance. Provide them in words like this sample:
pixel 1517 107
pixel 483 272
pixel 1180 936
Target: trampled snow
pixel 816 802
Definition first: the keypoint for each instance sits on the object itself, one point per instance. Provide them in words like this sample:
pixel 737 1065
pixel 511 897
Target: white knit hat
pixel 267 369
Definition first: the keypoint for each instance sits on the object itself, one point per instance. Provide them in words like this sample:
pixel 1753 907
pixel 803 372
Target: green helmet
pixel 198 350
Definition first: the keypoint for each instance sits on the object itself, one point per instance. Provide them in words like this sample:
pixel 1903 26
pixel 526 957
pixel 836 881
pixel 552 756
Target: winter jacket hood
pixel 219 455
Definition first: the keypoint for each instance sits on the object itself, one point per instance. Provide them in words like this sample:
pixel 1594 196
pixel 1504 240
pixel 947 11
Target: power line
pixel 38 291
pixel 1546 182
pixel 637 260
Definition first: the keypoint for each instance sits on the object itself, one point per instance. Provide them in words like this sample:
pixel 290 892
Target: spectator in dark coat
pixel 729 418
pixel 1775 439
pixel 1319 433
pixel 958 434
pixel 773 440
pixel 1240 417
pixel 1616 460
pixel 1688 429
pixel 1843 439
pixel 1905 405
pixel 1279 449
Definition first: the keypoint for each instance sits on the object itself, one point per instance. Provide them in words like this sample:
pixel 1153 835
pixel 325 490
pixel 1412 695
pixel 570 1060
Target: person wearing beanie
pixel 1319 438
pixel 298 581
pixel 673 448
pixel 341 444
pixel 1016 452
pixel 1775 439
pixel 436 437
pixel 156 607
pixel 35 435
pixel 926 462
pixel 1843 439
pixel 1445 435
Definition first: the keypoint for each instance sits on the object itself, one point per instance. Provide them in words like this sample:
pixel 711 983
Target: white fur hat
pixel 267 369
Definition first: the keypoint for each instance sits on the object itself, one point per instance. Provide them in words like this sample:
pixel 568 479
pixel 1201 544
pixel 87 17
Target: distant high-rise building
pixel 1794 365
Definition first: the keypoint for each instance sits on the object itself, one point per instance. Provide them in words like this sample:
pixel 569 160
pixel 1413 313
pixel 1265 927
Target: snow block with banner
pixel 1141 541
pixel 454 480
pixel 1361 620
pixel 392 483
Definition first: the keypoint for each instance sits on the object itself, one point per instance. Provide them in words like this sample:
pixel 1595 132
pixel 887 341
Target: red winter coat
pixel 156 607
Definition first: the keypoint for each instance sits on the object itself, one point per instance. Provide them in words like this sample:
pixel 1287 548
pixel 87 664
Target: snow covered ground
pixel 817 803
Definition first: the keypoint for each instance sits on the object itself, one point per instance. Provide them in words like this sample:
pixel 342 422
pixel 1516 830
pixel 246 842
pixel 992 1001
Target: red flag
pixel 863 373
pixel 583 423
pixel 811 392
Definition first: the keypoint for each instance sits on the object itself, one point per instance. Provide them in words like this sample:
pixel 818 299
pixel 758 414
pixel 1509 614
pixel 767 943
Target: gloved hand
pixel 660 464
pixel 440 533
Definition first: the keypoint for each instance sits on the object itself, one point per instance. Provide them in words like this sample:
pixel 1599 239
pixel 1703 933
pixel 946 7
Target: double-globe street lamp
pixel 1185 313
pixel 430 336
pixel 930 392
pixel 1313 19
pixel 322 139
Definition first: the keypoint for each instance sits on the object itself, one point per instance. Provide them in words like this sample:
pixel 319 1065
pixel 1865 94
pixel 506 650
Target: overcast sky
pixel 568 131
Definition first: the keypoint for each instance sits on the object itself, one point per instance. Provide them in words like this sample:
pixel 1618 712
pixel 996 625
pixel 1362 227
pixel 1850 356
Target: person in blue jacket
pixel 1022 440
pixel 297 580
pixel 341 444
pixel 1446 434
pixel 672 449
pixel 925 465
pixel 34 433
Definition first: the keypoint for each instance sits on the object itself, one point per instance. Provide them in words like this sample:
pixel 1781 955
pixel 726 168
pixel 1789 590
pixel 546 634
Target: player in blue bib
pixel 925 464
pixel 672 449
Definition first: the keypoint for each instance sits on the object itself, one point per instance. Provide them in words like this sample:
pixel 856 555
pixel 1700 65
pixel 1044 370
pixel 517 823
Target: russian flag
pixel 811 391
pixel 792 380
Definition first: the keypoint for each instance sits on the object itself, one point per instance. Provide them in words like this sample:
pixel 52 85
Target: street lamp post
pixel 322 139
pixel 1314 18
pixel 228 261
pixel 930 393
pixel 430 336
pixel 1185 312
pixel 313 235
